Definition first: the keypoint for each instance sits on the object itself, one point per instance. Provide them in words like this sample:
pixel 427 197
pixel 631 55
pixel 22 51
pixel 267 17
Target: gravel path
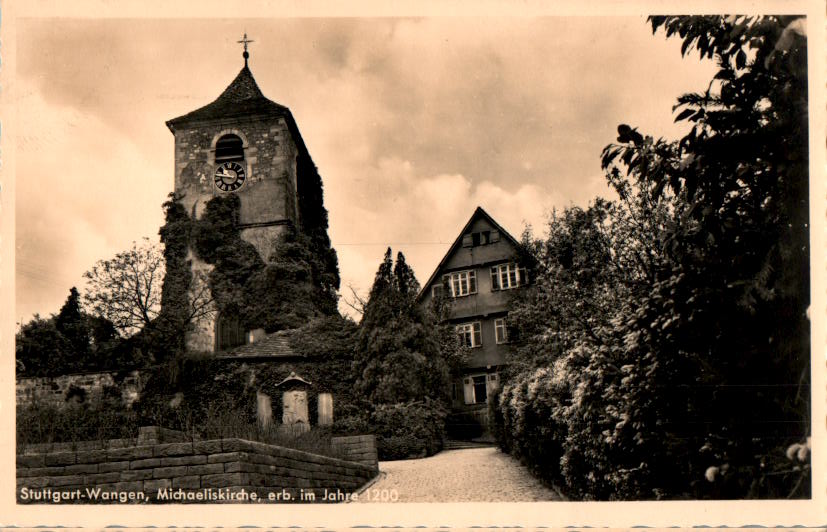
pixel 462 475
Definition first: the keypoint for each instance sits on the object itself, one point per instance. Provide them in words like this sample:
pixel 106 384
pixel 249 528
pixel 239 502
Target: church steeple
pixel 241 98
pixel 245 146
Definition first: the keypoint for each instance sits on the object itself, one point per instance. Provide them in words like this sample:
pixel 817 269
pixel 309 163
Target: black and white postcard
pixel 441 265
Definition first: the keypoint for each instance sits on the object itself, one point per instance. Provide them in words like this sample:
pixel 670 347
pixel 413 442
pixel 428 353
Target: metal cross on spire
pixel 245 41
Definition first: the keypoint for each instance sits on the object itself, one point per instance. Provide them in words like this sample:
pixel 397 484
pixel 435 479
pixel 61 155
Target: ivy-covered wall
pixel 295 283
pixel 195 393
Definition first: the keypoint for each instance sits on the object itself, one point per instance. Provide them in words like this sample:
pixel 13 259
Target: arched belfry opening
pixel 229 147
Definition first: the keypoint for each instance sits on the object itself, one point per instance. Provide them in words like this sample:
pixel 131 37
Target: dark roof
pixel 275 345
pixel 478 213
pixel 241 98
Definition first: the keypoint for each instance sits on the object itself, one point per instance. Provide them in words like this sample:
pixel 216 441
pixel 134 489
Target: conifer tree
pixel 71 323
pixel 399 357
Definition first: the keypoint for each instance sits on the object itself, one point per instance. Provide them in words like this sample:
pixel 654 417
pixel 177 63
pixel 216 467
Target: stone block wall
pixel 269 191
pixel 213 471
pixel 53 390
pixel 268 197
pixel 360 449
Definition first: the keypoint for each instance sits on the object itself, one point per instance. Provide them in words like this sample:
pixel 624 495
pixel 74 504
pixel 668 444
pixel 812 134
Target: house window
pixel 229 148
pixel 480 238
pixel 436 290
pixel 500 331
pixel 461 283
pixel 507 276
pixel 470 334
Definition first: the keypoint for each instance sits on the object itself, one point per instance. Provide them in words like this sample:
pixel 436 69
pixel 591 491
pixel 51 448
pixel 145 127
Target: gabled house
pixel 477 276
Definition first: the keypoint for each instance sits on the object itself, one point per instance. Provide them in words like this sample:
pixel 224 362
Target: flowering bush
pixel 663 351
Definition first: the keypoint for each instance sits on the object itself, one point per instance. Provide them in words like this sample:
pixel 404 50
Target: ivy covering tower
pixel 246 234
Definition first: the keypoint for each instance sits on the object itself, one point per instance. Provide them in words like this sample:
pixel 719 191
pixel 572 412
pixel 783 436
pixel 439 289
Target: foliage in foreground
pixel 103 418
pixel 664 350
pixel 408 430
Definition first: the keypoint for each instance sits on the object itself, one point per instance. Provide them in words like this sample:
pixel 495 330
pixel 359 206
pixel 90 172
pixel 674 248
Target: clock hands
pixel 229 176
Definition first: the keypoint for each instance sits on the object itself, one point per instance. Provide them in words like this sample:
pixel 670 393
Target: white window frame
pixel 456 281
pixel 507 276
pixel 500 331
pixel 470 334
pixel 469 394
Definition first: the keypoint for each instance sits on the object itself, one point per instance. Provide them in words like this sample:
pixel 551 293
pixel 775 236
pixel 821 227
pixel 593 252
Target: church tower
pixel 244 144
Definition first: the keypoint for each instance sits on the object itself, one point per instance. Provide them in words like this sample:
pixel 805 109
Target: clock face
pixel 229 176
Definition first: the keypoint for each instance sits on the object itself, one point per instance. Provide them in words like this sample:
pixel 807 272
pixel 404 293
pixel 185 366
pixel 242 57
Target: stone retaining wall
pixel 360 449
pixel 211 471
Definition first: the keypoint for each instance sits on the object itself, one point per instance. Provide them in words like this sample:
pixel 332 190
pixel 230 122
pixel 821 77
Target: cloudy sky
pixel 412 123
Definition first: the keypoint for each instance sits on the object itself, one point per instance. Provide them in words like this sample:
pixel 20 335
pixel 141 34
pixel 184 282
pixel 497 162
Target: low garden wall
pixel 56 390
pixel 360 449
pixel 212 471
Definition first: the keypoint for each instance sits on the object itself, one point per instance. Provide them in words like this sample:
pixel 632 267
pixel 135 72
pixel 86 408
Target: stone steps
pixel 459 444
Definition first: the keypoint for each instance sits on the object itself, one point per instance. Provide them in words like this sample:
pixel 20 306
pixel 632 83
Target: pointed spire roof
pixel 242 98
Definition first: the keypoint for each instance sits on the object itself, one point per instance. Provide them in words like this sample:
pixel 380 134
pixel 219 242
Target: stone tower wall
pixel 268 197
pixel 269 192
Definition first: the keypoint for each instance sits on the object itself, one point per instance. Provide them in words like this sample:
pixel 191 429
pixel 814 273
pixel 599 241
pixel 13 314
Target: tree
pixel 402 365
pixel 41 349
pixel 74 327
pixel 399 357
pixel 186 295
pixel 666 336
pixel 126 289
pixel 67 342
pixel 727 312
pixel 290 289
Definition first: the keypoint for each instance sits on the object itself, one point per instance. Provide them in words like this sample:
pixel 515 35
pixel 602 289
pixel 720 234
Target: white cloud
pixel 84 192
pixel 419 216
pixel 412 123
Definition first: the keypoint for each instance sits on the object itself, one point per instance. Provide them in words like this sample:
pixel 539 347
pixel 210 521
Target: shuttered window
pixel 493 382
pixel 480 238
pixel 468 390
pixel 477 388
pixel 229 148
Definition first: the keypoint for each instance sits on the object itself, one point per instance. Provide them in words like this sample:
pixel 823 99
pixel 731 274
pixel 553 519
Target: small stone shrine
pixel 295 416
